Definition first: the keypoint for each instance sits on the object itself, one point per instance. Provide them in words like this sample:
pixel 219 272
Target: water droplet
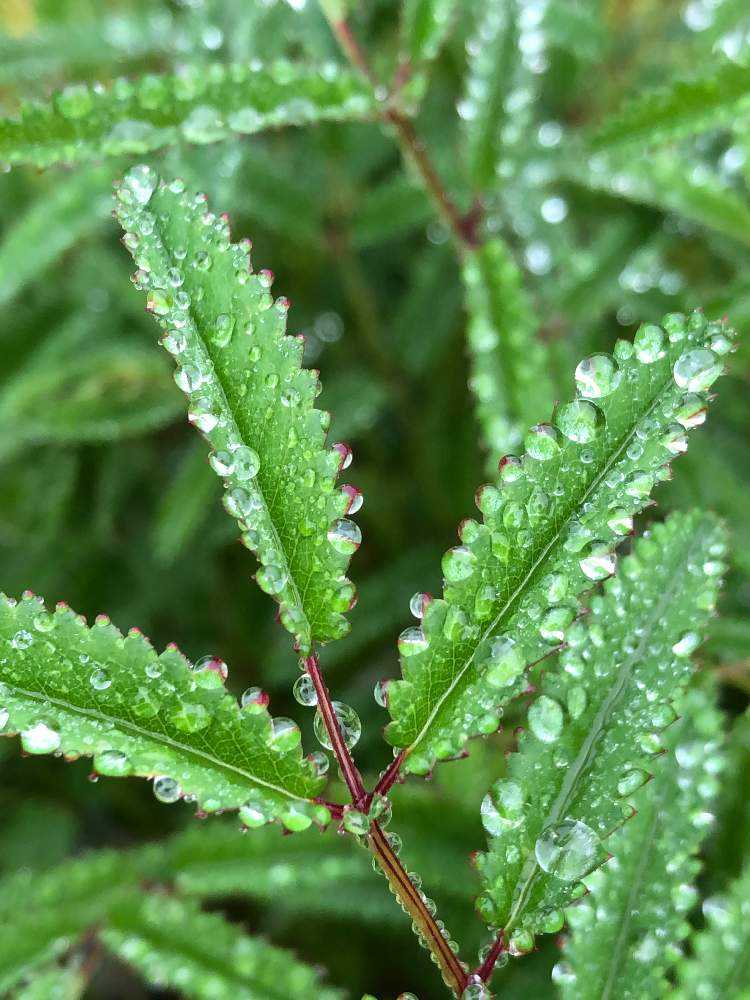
pixel 503 807
pixel 476 991
pixel 255 812
pixel 380 693
pixel 210 671
pixel 40 738
pixel 271 579
pixel 580 421
pixel 204 124
pixel 166 789
pixel 563 974
pixel 139 183
pixel 190 716
pixel 304 691
pixel 697 370
pixel 254 699
pixel 505 662
pixel 222 330
pixel 112 763
pixel 649 344
pixel 569 850
pixel 350 726
pixel 246 463
pixel 285 734
pixel 543 442
pixel 412 640
pixel 345 536
pixel 687 644
pixel 419 604
pixel 22 639
pixel 598 561
pixel 554 623
pixel 691 411
pixel 100 679
pixel 631 781
pixel 458 564
pixel 546 719
pixel 296 817
pixel 597 376
pixel 320 762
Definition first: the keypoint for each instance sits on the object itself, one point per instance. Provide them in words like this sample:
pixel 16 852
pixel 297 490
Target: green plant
pixel 601 767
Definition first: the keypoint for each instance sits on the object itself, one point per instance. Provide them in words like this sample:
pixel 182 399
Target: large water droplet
pixel 22 639
pixel 419 604
pixel 697 370
pixel 597 376
pixel 100 679
pixel 458 564
pixel 166 789
pixel 140 182
pixel 350 726
pixel 113 763
pixel 687 644
pixel 543 442
pixel 255 812
pixel 246 463
pixel 598 561
pixel 649 344
pixel 505 662
pixel 546 719
pixel 580 421
pixel 40 738
pixel 285 734
pixel 304 691
pixel 412 640
pixel 345 536
pixel 503 808
pixel 569 850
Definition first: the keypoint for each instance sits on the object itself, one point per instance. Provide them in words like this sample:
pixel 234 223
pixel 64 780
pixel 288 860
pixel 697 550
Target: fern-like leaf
pixel 719 966
pixel 426 24
pixel 647 889
pixel 509 369
pixel 709 100
pixel 249 396
pixel 172 943
pixel 551 525
pixel 594 730
pixel 84 691
pixel 199 105
pixel 491 71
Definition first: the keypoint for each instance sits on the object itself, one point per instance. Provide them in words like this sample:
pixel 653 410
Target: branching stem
pixel 486 968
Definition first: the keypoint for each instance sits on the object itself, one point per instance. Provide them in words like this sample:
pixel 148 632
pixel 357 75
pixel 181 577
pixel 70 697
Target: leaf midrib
pixel 517 594
pixel 136 730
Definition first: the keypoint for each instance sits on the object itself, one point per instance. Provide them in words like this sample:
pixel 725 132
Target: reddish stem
pixel 349 771
pixel 390 776
pixel 486 968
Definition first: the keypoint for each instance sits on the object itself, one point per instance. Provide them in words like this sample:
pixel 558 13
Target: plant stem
pixel 349 771
pixel 401 885
pixel 486 968
pixel 412 903
pixel 390 776
pixel 462 227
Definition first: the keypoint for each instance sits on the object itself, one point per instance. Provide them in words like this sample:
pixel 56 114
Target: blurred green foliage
pixel 107 502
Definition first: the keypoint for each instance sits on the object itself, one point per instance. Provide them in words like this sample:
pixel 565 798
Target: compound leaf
pixel 251 399
pixel 594 730
pixel 199 104
pixel 509 367
pixel 719 965
pixel 711 99
pixel 551 524
pixel 647 889
pixel 172 943
pixel 85 691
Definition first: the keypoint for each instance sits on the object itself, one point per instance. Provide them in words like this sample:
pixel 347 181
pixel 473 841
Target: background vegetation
pixel 106 499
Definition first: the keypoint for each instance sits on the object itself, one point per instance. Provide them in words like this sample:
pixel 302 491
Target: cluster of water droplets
pixel 577 476
pixel 199 103
pixel 618 677
pixel 243 381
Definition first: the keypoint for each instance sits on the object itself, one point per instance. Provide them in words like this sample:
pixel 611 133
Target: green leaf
pixel 78 388
pixel 719 965
pixel 627 934
pixel 42 913
pixel 85 691
pixel 594 731
pixel 199 104
pixel 509 366
pixel 669 184
pixel 714 98
pixel 491 73
pixel 172 943
pixel 57 983
pixel 551 525
pixel 249 396
pixel 53 222
pixel 425 26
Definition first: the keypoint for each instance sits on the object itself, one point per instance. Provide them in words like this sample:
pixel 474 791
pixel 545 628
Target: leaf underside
pixel 90 691
pixel 251 399
pixel 594 732
pixel 647 889
pixel 551 524
pixel 200 104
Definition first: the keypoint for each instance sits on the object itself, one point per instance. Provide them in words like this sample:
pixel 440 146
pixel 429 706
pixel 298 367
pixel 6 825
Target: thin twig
pixel 390 776
pixel 486 968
